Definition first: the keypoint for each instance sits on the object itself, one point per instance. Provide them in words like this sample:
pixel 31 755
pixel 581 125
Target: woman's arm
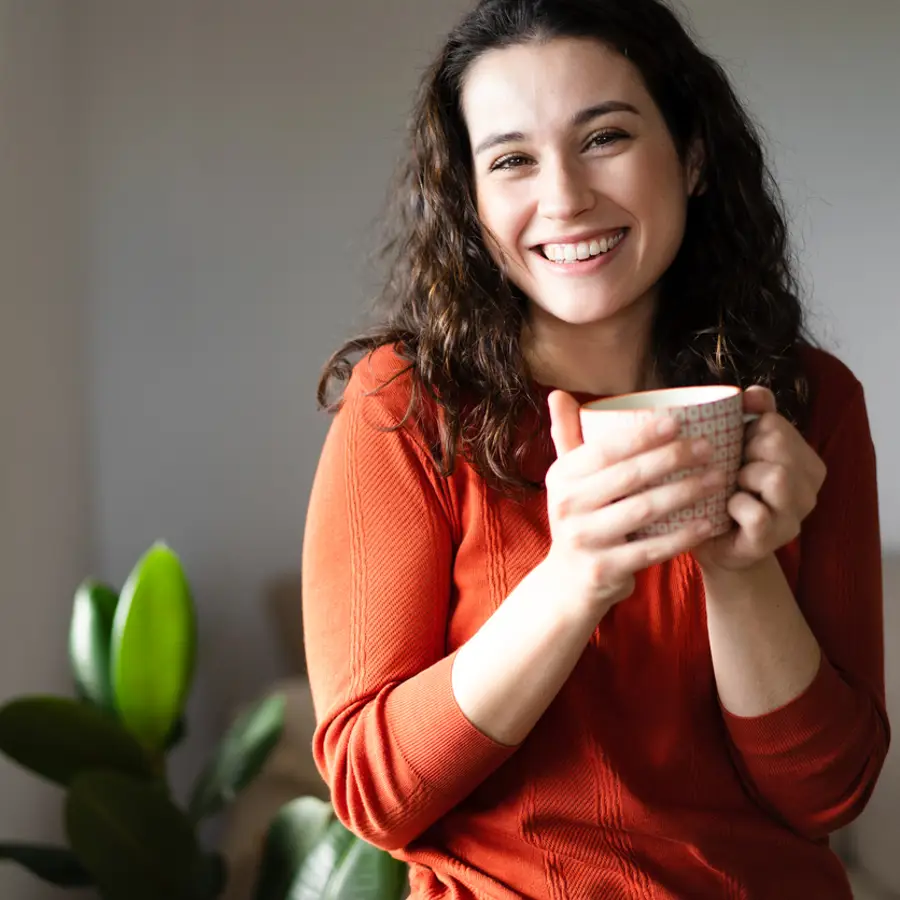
pixel 801 679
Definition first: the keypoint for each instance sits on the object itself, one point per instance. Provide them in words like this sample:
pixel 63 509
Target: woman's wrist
pixel 576 593
pixel 722 581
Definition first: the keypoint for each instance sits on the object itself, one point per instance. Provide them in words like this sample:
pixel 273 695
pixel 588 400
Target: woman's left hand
pixel 777 489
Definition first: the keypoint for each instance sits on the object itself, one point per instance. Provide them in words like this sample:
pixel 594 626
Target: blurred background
pixel 188 194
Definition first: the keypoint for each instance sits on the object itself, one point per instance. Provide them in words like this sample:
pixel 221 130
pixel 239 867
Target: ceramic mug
pixel 714 412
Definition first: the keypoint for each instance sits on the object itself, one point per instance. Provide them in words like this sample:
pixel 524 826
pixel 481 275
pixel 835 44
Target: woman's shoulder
pixel 828 376
pixel 834 392
pixel 382 379
pixel 383 392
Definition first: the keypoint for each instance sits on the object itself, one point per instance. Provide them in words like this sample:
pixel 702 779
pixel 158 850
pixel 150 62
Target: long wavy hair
pixel 728 310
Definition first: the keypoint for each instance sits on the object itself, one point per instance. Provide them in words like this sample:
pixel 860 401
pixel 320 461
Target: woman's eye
pixel 513 161
pixel 604 138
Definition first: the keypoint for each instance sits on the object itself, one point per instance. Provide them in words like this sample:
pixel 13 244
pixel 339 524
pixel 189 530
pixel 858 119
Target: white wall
pixel 44 521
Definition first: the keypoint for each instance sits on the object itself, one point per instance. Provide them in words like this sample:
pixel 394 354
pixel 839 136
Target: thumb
pixel 759 399
pixel 565 423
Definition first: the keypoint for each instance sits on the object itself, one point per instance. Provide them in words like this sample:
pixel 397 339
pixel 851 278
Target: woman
pixel 512 695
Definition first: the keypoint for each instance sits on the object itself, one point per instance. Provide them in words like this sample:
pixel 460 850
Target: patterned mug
pixel 714 412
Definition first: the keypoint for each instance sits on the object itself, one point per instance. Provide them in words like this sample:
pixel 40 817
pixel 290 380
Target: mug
pixel 714 412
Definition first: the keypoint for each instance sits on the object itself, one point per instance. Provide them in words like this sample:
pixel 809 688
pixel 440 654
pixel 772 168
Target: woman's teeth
pixel 570 253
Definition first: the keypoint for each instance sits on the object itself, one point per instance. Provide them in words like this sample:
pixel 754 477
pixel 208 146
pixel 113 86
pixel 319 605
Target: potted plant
pixel 132 655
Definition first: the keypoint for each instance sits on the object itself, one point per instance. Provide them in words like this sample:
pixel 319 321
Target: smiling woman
pixel 513 693
pixel 588 160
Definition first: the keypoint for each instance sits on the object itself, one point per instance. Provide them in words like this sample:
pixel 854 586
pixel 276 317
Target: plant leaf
pixel 154 644
pixel 239 757
pixel 136 844
pixel 294 832
pixel 58 738
pixel 367 873
pixel 57 865
pixel 90 631
pixel 320 870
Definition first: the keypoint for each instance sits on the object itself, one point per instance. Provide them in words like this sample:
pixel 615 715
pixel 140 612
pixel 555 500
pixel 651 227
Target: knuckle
pixel 579 539
pixel 758 519
pixel 780 481
pixel 562 505
pixel 633 476
pixel 644 509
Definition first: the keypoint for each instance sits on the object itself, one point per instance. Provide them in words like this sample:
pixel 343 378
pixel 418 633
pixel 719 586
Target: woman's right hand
pixel 599 493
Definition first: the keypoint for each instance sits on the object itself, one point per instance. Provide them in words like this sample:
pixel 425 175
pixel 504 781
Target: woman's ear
pixel 695 168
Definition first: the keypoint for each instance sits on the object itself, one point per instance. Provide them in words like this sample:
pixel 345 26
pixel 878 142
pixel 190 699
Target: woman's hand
pixel 599 493
pixel 777 489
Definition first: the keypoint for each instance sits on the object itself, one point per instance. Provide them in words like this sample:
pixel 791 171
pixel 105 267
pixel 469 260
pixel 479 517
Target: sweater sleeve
pixel 391 741
pixel 815 761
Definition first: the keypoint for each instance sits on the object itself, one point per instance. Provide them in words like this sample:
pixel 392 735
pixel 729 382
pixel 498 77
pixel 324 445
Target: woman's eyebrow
pixel 580 118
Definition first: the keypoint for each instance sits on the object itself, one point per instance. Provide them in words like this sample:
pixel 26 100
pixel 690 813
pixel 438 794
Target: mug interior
pixel 667 398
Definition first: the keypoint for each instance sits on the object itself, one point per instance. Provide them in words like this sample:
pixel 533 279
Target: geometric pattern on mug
pixel 722 424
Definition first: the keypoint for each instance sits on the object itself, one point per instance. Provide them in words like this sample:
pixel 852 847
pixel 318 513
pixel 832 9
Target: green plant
pixel 132 655
pixel 310 855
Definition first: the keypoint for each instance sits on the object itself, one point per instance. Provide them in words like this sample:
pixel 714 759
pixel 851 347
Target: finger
pixel 621 444
pixel 626 559
pixel 755 522
pixel 773 439
pixel 638 473
pixel 613 523
pixel 758 399
pixel 770 481
pixel 565 424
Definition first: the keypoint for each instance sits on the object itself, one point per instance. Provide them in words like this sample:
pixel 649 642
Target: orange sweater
pixel 635 783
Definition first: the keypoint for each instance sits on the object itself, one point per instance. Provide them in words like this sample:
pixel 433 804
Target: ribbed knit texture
pixel 635 783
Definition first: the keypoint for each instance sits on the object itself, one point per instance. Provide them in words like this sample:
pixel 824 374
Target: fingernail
pixel 701 447
pixel 713 478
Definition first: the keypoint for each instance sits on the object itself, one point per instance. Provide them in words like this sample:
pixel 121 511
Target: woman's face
pixel 578 183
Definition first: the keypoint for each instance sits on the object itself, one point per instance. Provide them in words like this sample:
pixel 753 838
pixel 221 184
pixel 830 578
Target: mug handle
pixel 750 417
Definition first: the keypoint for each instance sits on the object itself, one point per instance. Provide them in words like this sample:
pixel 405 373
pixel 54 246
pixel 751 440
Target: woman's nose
pixel 564 191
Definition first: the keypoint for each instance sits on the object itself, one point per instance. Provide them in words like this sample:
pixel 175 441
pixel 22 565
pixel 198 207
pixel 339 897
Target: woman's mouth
pixel 572 254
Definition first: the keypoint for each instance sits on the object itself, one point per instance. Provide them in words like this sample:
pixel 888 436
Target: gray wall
pixel 235 157
pixel 44 521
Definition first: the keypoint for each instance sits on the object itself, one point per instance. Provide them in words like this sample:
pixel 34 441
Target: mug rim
pixel 608 404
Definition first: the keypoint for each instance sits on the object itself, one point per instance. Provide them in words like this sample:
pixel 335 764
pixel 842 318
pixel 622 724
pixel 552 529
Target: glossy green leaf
pixel 344 867
pixel 89 642
pixel 154 644
pixel 293 834
pixel 58 738
pixel 131 838
pixel 56 865
pixel 239 757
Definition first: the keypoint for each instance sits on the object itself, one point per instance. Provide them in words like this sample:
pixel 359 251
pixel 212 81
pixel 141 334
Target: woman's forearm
pixel 764 654
pixel 508 673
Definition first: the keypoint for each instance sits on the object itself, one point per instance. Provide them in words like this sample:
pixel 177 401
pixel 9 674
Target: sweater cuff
pixel 810 724
pixel 448 753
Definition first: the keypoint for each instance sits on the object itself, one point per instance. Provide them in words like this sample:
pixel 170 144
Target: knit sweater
pixel 636 782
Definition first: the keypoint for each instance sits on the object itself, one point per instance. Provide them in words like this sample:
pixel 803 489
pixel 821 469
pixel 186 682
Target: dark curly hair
pixel 728 312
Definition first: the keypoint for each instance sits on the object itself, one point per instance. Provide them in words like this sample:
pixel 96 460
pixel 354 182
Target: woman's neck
pixel 604 358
